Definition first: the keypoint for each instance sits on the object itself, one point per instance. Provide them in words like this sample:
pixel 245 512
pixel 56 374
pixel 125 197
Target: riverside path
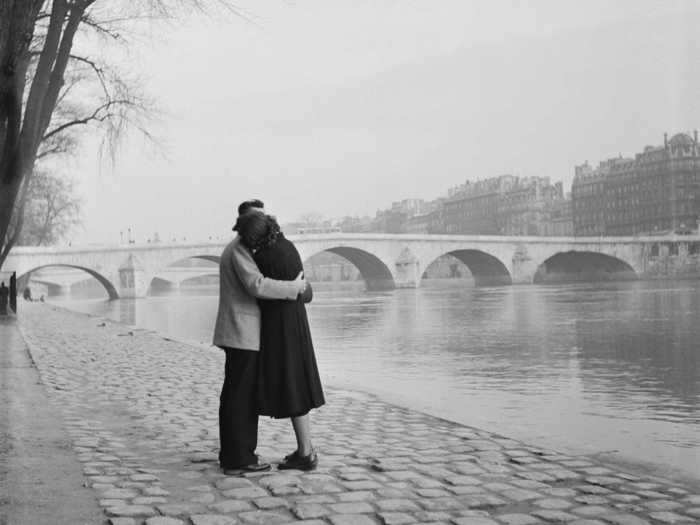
pixel 141 411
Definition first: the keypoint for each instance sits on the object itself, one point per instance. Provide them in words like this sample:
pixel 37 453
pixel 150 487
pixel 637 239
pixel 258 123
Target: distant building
pixel 588 197
pixel 299 228
pixel 472 207
pixel 410 207
pixel 409 216
pixel 526 206
pixel 389 221
pixel 436 218
pixel 560 222
pixel 657 192
pixel 418 224
pixel 355 224
pixel 504 205
pixel 427 218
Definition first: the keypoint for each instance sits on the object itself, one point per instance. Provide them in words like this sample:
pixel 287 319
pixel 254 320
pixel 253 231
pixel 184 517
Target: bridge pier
pixel 132 279
pixel 407 271
pixel 523 267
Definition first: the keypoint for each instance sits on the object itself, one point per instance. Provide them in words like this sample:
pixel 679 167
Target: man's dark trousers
pixel 238 415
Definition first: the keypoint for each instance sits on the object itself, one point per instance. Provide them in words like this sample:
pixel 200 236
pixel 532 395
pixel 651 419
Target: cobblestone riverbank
pixel 141 411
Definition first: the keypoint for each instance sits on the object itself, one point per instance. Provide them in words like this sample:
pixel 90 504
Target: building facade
pixel 418 224
pixel 505 205
pixel 350 224
pixel 560 222
pixel 656 192
pixel 588 197
pixel 472 208
pixel 527 205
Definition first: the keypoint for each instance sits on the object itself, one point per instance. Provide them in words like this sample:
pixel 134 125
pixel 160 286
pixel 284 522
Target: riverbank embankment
pixel 141 412
pixel 41 479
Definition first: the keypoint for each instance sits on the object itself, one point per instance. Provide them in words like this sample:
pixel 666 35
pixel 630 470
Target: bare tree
pixel 47 87
pixel 51 209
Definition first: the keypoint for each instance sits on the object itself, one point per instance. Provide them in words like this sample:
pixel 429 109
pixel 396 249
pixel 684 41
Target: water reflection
pixel 644 347
pixel 127 311
pixel 582 368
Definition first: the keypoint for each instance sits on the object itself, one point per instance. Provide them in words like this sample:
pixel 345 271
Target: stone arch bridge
pixel 388 261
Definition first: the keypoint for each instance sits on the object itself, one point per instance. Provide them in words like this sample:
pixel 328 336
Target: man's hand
pixel 301 282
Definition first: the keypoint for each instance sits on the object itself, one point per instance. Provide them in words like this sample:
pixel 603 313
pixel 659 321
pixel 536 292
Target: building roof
pixel 681 139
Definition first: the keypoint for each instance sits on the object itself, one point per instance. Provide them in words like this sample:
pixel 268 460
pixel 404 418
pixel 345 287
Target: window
pixel 673 248
pixel 654 250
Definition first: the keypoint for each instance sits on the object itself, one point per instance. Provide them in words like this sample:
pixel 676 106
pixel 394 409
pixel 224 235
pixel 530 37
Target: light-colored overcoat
pixel 240 285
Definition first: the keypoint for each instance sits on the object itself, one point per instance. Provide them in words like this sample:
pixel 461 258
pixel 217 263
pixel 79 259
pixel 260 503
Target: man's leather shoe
pixel 297 462
pixel 253 467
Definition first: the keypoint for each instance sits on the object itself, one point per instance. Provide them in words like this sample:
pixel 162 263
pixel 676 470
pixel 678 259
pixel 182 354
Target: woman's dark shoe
pixel 297 462
pixel 292 455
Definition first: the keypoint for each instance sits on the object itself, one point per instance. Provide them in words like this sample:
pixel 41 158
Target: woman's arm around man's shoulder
pixel 256 283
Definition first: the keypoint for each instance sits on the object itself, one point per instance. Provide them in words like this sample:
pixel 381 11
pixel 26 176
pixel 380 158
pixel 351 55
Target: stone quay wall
pixel 141 411
pixel 672 261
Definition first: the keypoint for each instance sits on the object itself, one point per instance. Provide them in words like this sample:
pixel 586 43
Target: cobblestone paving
pixel 142 413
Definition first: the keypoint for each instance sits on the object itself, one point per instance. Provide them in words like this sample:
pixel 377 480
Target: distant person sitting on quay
pixel 4 298
pixel 27 294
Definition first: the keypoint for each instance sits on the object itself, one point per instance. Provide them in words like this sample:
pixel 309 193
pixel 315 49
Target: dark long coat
pixel 288 381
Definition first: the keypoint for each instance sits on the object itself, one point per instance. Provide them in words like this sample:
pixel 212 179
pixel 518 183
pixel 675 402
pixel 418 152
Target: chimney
pixel 666 140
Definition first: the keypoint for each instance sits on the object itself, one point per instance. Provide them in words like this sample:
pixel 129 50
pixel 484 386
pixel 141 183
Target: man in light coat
pixel 237 332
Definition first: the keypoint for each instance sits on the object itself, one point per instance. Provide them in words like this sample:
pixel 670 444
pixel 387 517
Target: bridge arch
pixel 210 273
pixel 158 280
pixel 574 266
pixel 210 258
pixel 486 269
pixel 374 271
pixel 204 257
pixel 23 280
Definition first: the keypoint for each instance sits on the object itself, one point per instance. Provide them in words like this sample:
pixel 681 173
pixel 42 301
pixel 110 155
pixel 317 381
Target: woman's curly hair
pixel 257 230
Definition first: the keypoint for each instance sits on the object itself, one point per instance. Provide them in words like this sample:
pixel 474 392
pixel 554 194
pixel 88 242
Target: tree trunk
pixel 19 140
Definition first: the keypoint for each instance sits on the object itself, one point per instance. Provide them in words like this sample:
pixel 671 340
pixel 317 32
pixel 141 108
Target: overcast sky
pixel 342 106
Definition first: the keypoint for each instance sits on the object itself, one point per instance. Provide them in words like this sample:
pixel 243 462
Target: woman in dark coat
pixel 288 381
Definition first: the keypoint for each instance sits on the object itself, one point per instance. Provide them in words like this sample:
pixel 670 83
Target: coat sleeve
pixel 255 282
pixel 308 294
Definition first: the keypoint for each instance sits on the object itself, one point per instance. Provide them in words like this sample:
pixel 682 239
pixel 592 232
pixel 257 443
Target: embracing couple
pixel 262 326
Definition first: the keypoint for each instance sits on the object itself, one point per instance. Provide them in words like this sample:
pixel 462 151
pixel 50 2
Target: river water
pixel 609 369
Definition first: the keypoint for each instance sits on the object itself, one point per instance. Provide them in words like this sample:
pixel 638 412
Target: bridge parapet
pixel 388 260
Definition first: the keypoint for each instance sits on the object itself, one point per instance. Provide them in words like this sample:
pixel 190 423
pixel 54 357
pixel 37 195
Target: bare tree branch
pixel 99 71
pixel 97 115
pixel 101 27
pixel 49 91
